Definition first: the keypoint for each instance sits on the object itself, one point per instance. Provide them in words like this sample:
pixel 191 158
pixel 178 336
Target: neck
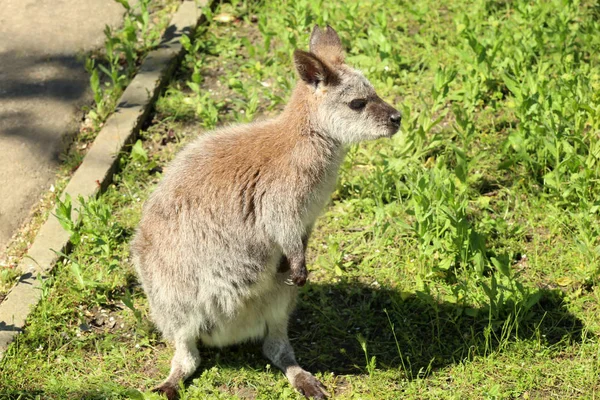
pixel 298 111
pixel 299 117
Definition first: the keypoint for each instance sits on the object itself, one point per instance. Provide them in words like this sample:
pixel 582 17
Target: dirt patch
pixel 102 320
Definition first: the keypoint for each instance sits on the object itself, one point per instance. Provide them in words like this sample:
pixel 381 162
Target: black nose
pixel 395 118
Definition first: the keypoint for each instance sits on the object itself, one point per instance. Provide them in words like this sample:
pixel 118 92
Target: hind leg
pixel 277 347
pixel 184 363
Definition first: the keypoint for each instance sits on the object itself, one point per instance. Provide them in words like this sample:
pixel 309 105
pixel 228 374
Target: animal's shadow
pixel 413 332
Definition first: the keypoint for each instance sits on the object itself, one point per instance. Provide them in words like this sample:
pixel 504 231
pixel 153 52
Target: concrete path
pixel 43 85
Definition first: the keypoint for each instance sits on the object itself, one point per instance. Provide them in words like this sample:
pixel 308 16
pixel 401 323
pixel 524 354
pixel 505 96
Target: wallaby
pixel 221 243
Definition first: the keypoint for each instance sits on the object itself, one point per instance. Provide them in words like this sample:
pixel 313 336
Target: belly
pixel 252 321
pixel 238 330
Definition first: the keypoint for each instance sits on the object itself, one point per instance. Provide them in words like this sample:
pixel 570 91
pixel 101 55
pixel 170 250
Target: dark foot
pixel 299 276
pixel 309 386
pixel 168 390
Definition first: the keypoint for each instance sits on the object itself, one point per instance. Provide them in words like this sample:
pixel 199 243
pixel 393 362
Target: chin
pixel 389 134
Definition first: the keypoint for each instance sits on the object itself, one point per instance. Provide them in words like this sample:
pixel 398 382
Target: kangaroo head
pixel 342 102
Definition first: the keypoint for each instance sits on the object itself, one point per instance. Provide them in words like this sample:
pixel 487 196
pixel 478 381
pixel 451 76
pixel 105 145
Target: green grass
pixel 458 260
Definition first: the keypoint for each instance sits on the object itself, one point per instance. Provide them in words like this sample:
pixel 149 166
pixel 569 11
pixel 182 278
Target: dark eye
pixel 358 104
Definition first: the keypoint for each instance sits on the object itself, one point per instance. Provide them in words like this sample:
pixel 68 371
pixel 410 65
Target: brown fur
pixel 222 239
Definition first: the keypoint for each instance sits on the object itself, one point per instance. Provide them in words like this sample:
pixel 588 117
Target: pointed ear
pixel 326 44
pixel 312 70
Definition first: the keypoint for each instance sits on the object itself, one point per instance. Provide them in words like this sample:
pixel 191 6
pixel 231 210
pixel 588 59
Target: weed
pixel 458 260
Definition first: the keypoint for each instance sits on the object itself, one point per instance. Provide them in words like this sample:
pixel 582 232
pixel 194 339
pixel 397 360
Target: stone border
pixel 98 167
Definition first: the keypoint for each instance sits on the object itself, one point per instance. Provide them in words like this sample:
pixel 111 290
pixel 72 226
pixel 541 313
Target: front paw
pixel 299 275
pixel 309 386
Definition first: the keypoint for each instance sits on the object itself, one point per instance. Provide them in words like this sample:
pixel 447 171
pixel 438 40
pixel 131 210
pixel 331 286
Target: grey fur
pixel 225 232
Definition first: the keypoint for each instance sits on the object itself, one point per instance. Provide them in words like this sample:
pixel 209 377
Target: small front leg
pixel 297 265
pixel 298 274
pixel 299 271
